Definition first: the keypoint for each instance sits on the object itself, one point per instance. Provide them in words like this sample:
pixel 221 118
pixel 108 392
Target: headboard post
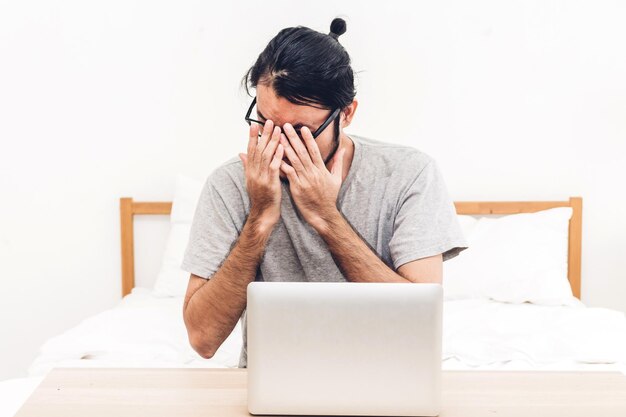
pixel 575 245
pixel 128 245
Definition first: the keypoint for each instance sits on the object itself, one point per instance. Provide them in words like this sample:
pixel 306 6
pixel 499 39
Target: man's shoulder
pixel 399 158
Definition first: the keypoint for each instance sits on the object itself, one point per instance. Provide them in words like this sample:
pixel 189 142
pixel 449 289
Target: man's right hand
pixel 262 169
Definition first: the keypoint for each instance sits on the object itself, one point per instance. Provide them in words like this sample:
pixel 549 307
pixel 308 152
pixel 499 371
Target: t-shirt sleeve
pixel 426 222
pixel 215 227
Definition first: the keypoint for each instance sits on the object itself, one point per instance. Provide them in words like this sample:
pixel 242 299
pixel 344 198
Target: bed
pixel 501 323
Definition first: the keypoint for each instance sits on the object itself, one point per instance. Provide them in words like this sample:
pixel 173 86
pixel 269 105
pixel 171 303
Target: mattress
pixel 145 330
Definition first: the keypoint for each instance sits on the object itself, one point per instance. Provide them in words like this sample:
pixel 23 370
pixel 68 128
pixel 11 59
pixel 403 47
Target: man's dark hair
pixel 306 67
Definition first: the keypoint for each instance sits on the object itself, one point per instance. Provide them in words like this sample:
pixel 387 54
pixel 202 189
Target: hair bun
pixel 337 27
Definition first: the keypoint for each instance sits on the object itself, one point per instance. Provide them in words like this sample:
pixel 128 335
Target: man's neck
pixel 349 155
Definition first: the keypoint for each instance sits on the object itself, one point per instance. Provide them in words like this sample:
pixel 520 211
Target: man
pixel 307 202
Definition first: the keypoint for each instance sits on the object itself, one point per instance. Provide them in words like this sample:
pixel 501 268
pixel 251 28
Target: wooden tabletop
pixel 182 392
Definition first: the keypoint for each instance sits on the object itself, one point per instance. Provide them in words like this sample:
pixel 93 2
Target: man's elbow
pixel 199 340
pixel 200 345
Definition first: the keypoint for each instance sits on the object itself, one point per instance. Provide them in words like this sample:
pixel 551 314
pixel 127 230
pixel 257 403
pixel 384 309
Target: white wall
pixel 99 100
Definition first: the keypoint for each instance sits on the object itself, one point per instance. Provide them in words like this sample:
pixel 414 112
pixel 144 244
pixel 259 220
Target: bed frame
pixel 129 208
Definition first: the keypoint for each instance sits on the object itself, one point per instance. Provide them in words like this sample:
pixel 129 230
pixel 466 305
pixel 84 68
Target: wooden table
pixel 181 392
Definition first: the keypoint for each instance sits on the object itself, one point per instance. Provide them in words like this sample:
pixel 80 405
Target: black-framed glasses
pixel 317 132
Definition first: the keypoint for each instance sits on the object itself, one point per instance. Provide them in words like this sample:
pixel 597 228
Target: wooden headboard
pixel 129 208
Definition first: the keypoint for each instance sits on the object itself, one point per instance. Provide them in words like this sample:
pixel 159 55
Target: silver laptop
pixel 344 348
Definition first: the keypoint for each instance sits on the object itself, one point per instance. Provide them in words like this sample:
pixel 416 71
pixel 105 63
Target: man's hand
pixel 261 166
pixel 314 188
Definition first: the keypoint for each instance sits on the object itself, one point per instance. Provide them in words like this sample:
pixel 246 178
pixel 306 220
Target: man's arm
pixel 360 263
pixel 212 307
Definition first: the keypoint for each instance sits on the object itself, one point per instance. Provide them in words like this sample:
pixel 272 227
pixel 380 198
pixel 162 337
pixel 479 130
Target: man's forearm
pixel 355 259
pixel 214 309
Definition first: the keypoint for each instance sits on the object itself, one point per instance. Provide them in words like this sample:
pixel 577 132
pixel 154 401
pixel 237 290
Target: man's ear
pixel 348 113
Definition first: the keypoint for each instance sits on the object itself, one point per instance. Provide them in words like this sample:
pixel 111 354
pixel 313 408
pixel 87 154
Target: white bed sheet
pixel 144 330
pixel 484 333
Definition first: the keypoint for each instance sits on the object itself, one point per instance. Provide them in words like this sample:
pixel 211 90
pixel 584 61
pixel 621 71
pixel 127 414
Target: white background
pixel 99 100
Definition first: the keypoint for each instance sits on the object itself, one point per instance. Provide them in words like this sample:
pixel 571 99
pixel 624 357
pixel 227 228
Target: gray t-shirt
pixel 393 195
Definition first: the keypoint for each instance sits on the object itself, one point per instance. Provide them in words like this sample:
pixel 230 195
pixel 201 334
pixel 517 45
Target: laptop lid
pixel 343 348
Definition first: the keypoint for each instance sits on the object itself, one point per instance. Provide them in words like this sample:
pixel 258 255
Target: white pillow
pixel 515 258
pixel 468 224
pixel 186 195
pixel 172 280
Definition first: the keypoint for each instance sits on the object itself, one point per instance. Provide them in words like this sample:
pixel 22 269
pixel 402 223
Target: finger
pixel 270 149
pixel 258 149
pixel 253 138
pixel 268 127
pixel 291 154
pixel 297 145
pixel 291 173
pixel 277 160
pixel 313 149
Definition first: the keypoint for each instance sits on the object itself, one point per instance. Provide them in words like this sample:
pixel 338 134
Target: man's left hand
pixel 314 188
